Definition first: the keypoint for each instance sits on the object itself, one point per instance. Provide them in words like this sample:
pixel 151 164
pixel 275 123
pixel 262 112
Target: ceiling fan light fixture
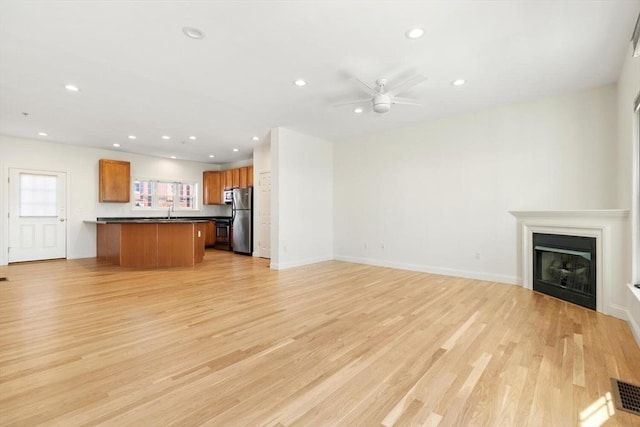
pixel 166 137
pixel 357 110
pixel 211 156
pixel 131 137
pixel 115 144
pixel 414 33
pixel 193 138
pixel 72 88
pixel 235 150
pixel 255 138
pixel 458 82
pixel 193 32
pixel 381 108
pixel 299 82
pixel 43 134
pixel 381 103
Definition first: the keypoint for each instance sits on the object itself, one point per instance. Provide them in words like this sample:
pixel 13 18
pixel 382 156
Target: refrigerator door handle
pixel 233 211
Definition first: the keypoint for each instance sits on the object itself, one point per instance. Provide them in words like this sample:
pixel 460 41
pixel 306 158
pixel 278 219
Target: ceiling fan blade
pixel 365 87
pixel 405 101
pixel 355 101
pixel 407 84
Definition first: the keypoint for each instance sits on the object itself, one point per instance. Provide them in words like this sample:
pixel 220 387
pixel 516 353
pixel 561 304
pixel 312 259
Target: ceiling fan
pixel 382 96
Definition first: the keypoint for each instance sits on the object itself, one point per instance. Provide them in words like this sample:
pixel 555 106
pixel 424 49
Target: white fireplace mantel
pixel 610 229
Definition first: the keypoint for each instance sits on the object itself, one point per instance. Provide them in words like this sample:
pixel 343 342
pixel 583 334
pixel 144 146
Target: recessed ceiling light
pixel 211 155
pixel 236 150
pixel 414 33
pixel 255 138
pixel 166 137
pixel 193 32
pixel 192 137
pixel 115 144
pixel 43 134
pixel 458 82
pixel 72 88
pixel 173 157
pixel 357 110
pixel 132 137
pixel 299 82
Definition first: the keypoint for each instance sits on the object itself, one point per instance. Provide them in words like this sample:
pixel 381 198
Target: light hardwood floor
pixel 231 343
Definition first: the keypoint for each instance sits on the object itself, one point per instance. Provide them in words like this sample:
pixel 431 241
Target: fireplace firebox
pixel 565 267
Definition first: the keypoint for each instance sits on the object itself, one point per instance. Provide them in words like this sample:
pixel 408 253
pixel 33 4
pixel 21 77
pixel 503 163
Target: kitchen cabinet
pixel 235 177
pixel 210 234
pixel 212 187
pixel 199 230
pixel 228 179
pixel 152 245
pixel 243 172
pixel 114 181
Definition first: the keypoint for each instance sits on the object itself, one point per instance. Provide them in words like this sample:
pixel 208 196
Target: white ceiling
pixel 140 75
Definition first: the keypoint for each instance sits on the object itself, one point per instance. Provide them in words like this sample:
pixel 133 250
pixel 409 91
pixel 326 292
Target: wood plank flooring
pixel 231 343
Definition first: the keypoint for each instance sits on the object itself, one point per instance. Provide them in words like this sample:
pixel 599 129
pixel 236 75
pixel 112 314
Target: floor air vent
pixel 627 396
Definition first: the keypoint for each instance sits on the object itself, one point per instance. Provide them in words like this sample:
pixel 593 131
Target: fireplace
pixel 609 228
pixel 565 267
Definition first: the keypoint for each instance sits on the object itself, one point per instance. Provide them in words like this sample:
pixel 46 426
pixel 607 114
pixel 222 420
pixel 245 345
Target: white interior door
pixel 37 215
pixel 264 215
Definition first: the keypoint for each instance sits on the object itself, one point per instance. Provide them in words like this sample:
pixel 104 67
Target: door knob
pixel 61 219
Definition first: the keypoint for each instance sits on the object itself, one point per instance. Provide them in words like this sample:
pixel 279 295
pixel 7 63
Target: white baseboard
pixel 635 329
pixel 634 308
pixel 299 263
pixel 512 280
pixel 618 311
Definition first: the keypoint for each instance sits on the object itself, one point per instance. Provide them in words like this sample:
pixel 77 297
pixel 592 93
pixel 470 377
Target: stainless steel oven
pixel 223 234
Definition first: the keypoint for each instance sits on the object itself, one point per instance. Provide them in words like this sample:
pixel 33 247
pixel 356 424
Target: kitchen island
pixel 151 242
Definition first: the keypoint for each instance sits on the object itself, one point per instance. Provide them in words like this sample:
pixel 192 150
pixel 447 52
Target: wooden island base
pixel 151 245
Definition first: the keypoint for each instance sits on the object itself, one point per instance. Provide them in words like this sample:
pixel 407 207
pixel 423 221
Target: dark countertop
pixel 159 220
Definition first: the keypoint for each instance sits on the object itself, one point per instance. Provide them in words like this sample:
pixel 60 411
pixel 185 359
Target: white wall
pixel 234 165
pixel 436 197
pixel 302 199
pixel 628 88
pixel 628 178
pixel 81 166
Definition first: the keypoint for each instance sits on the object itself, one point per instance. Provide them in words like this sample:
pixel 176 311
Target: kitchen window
pixel 160 195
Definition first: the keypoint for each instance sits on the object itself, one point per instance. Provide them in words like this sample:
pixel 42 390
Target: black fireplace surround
pixel 565 267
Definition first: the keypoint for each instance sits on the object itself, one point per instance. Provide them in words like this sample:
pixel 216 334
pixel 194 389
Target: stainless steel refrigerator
pixel 242 217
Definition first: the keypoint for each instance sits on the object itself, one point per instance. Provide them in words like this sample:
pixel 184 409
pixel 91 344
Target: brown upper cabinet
pixel 235 173
pixel 243 172
pixel 212 187
pixel 232 178
pixel 115 181
pixel 228 179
